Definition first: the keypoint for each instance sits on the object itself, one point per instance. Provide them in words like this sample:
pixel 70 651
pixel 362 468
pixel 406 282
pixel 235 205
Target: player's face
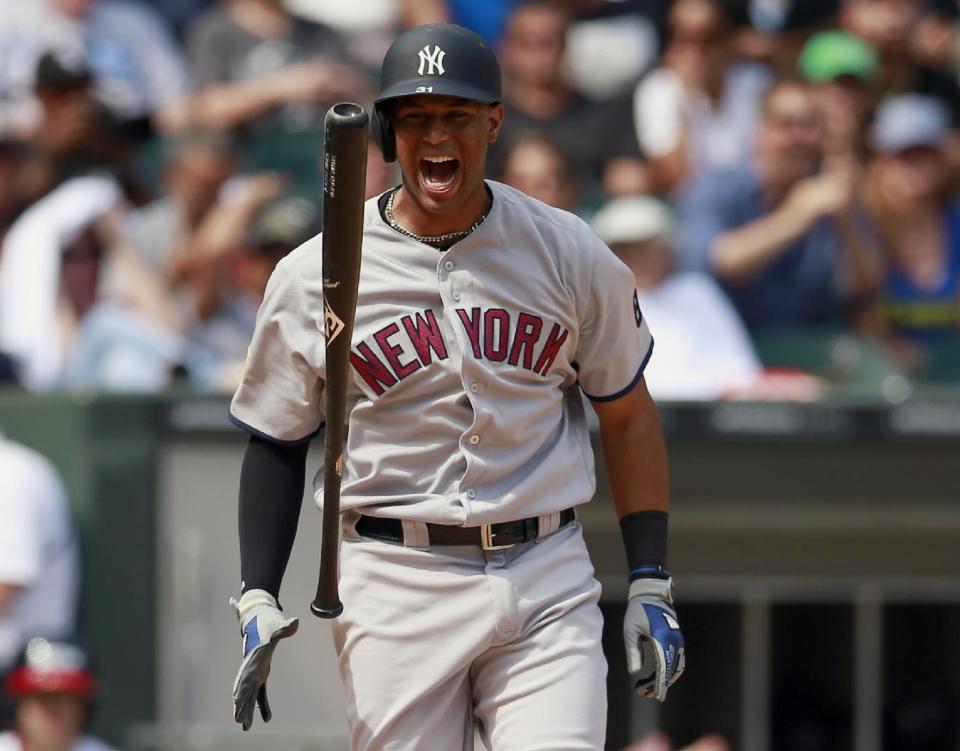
pixel 442 148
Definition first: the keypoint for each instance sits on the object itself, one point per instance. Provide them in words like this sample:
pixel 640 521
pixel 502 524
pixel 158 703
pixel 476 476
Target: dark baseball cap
pixel 58 71
pixel 285 223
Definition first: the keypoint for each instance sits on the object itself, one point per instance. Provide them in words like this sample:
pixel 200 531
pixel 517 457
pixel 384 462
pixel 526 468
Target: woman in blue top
pixel 917 273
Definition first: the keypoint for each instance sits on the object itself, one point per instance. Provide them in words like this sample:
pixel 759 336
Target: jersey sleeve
pixel 280 396
pixel 615 343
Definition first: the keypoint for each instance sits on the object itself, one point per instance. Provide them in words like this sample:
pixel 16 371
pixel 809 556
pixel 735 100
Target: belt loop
pixel 349 520
pixel 549 523
pixel 415 534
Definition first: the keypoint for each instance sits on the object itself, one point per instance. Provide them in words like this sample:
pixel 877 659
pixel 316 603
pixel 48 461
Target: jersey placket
pixel 454 282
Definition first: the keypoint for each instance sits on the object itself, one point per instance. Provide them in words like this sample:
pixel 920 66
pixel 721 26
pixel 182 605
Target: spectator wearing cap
pixel 39 562
pixel 702 348
pixel 918 223
pixel 136 63
pixel 699 109
pixel 842 70
pixel 769 230
pixel 78 134
pixel 217 343
pixel 53 687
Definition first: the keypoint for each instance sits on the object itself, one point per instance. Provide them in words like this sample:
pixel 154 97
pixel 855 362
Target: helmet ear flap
pixel 383 134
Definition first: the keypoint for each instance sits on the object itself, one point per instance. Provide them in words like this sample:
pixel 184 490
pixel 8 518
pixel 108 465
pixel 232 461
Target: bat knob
pixel 324 611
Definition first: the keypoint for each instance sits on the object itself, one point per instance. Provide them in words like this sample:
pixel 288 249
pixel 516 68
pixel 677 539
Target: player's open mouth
pixel 439 173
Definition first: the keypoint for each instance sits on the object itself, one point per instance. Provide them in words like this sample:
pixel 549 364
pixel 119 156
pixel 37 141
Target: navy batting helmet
pixel 440 59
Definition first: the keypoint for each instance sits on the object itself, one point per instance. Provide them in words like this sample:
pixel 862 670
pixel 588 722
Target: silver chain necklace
pixel 426 239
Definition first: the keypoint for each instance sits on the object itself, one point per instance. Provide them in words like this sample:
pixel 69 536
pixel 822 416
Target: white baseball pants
pixel 434 642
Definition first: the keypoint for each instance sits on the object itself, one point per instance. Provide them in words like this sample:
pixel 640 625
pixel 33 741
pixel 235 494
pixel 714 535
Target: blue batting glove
pixel 655 652
pixel 263 626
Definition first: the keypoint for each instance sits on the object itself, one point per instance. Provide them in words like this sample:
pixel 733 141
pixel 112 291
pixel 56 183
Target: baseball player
pixel 469 597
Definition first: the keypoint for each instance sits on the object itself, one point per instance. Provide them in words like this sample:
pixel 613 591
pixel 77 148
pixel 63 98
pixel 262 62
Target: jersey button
pixel 455 295
pixel 448 265
pixel 474 439
pixel 474 388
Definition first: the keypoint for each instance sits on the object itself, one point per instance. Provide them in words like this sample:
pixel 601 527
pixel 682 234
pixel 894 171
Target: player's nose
pixel 437 131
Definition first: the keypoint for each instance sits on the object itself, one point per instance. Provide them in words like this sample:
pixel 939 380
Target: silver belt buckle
pixel 486 539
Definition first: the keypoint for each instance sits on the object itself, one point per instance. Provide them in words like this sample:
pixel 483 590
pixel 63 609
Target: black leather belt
pixel 488 536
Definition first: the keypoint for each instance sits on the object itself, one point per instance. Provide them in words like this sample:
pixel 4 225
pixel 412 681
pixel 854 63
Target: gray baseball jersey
pixel 466 365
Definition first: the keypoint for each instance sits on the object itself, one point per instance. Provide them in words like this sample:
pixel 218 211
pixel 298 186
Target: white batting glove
pixel 655 653
pixel 262 625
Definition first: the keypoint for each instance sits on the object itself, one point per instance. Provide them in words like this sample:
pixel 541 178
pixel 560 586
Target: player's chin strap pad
pixel 654 642
pixel 263 626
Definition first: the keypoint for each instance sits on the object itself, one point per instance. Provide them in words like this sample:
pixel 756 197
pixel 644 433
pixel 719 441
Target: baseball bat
pixel 344 176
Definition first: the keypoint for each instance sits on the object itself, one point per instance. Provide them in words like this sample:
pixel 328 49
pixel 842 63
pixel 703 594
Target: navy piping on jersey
pixel 629 386
pixel 267 437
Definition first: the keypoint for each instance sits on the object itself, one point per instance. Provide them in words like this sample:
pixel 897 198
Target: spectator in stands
pixel 918 223
pixel 488 19
pixel 136 63
pixel 693 320
pixel 137 333
pixel 888 25
pixel 49 276
pixel 53 686
pixel 538 98
pixel 534 165
pixel 841 69
pixel 39 569
pixel 165 231
pixel 262 70
pixel 769 229
pixel 217 346
pixel 699 109
pixel 78 134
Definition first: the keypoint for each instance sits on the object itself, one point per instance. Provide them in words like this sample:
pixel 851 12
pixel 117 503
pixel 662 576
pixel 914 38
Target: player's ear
pixel 495 120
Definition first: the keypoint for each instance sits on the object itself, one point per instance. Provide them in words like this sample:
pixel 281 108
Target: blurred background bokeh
pixel 781 176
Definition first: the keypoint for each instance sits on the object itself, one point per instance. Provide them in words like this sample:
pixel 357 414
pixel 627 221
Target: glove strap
pixel 659 588
pixel 254 598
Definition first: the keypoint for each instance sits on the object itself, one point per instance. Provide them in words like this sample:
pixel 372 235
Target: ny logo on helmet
pixel 433 61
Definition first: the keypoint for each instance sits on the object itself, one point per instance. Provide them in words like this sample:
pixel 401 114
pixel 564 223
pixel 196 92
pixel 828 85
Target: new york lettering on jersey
pixel 405 345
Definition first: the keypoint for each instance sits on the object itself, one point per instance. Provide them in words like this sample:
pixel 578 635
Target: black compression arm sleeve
pixel 271 491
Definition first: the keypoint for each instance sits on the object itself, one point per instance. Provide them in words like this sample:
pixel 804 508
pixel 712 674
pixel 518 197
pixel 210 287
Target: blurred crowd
pixel 770 170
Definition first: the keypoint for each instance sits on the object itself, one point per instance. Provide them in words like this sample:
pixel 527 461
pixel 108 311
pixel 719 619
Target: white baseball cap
pixel 634 219
pixel 909 120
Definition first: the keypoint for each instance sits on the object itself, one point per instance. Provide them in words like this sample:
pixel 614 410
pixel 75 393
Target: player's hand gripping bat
pixel 344 175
